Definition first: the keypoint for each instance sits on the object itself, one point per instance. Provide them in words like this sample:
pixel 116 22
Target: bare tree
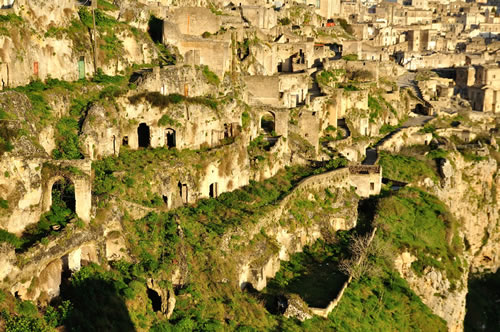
pixel 361 248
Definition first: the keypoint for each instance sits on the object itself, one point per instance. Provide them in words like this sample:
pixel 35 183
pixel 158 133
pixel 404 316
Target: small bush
pixel 284 21
pixel 350 57
pixel 4 204
pixel 210 76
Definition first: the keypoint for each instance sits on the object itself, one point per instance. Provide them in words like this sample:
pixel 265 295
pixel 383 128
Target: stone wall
pixel 192 21
pixel 28 189
pixel 406 137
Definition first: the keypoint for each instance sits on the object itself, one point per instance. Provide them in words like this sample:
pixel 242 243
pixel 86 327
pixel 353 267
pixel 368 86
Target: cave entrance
pixel 214 190
pixel 144 135
pixel 155 299
pixel 170 137
pixel 267 123
pixel 155 29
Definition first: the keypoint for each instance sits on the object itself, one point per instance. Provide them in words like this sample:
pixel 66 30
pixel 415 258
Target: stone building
pixel 422 40
pixel 481 86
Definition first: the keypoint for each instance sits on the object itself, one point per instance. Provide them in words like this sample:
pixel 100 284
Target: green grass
pixel 210 76
pixel 166 120
pixel 405 168
pixel 416 221
pixel 327 77
pixel 382 304
pixel 350 57
pixel 375 108
pixel 67 139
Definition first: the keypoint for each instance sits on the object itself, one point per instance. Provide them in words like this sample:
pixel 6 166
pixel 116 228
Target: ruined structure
pixel 177 153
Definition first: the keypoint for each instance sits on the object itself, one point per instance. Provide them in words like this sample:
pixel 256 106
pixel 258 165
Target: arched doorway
pixel 63 205
pixel 267 122
pixel 144 135
pixel 170 138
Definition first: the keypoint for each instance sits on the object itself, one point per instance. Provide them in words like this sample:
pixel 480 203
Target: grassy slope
pixel 416 221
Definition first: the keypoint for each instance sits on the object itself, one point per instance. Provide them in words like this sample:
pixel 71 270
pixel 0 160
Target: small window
pixel 125 141
pixel 318 3
pixel 372 186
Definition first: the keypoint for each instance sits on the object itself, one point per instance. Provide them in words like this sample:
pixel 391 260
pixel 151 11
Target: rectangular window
pixel 372 186
pixel 318 4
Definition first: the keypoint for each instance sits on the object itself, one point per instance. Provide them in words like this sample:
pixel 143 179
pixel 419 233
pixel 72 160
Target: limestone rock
pixel 446 168
pixel 297 308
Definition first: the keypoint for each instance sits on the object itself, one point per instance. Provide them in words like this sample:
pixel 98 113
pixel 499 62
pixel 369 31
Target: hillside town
pixel 199 165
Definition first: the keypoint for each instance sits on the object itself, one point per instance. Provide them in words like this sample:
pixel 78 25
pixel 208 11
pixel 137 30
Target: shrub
pixel 346 26
pixel 245 119
pixel 350 57
pixel 4 204
pixel 67 140
pixel 284 21
pixel 210 76
pixel 10 238
pixel 166 120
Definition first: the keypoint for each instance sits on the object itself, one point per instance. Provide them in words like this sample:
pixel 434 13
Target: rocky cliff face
pixel 469 189
pixel 436 291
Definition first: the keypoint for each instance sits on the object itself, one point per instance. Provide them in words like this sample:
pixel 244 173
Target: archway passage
pixel 155 29
pixel 155 299
pixel 62 211
pixel 267 123
pixel 170 138
pixel 144 135
pixel 63 206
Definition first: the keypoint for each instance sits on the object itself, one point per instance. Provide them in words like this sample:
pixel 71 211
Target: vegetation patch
pixel 416 221
pixel 158 100
pixel 210 76
pixel 405 168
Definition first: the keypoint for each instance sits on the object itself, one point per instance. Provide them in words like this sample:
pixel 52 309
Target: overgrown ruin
pixel 210 165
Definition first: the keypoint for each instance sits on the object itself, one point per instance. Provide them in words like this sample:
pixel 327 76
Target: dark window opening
pixel 213 190
pixel 183 192
pixel 155 299
pixel 125 141
pixel 155 29
pixel 372 186
pixel 170 136
pixel 143 135
pixel 165 200
pixel 226 130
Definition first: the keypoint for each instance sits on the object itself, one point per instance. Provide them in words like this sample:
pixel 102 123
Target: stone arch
pixel 78 173
pixel 53 183
pixel 143 135
pixel 170 138
pixel 268 122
